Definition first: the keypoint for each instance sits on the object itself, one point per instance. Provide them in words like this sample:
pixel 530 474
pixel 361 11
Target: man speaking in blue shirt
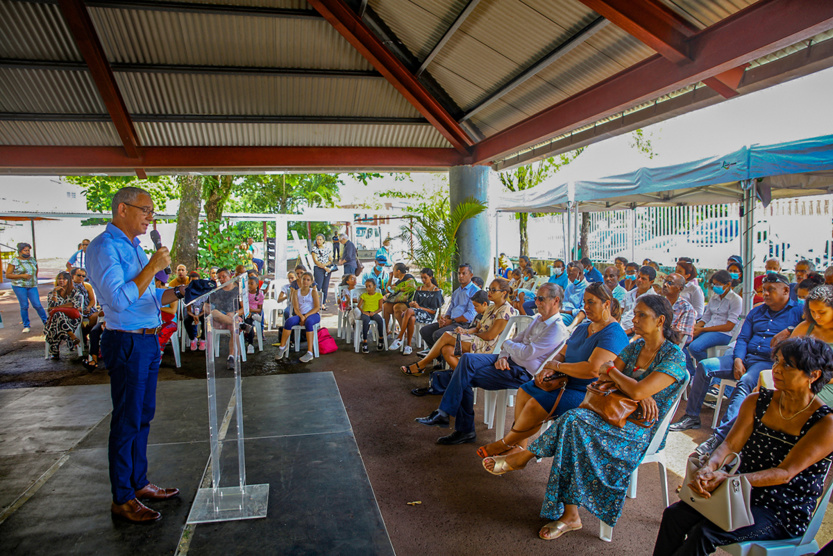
pixel 122 277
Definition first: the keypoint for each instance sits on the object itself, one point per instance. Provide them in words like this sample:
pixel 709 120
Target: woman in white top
pixel 692 292
pixel 306 305
pixel 349 300
pixel 322 257
pixel 719 319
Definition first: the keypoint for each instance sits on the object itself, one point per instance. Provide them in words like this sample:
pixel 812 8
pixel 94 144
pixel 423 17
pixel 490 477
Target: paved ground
pixel 463 510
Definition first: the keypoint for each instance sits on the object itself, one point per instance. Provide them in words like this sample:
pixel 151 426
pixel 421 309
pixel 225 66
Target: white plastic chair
pixel 519 323
pixel 357 334
pixel 416 339
pixel 652 454
pixel 272 314
pixel 805 544
pixel 724 382
pixel 217 332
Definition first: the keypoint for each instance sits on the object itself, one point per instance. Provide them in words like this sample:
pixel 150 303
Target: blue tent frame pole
pixel 749 199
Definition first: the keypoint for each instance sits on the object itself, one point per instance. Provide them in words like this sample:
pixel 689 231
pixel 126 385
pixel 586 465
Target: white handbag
pixel 728 507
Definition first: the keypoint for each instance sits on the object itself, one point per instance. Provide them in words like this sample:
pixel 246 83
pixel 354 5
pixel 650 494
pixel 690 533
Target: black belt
pixel 142 331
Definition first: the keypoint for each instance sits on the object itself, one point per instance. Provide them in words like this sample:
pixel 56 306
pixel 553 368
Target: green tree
pixel 216 191
pixel 185 247
pixel 98 191
pixel 434 229
pixel 527 177
pixel 220 244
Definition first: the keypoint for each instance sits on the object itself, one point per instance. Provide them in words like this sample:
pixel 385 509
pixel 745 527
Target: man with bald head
pixel 828 276
pixel 684 314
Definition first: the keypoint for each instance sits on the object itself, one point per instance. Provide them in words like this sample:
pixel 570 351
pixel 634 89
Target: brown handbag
pixel 609 403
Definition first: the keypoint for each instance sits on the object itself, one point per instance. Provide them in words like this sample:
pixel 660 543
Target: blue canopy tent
pixel 763 172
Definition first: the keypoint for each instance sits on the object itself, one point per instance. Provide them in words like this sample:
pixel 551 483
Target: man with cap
pixel 377 273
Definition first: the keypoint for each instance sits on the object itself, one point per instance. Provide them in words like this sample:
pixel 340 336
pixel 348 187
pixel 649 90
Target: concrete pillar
pixel 474 242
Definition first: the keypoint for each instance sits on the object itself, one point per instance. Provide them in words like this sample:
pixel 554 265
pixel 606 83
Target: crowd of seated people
pixel 645 331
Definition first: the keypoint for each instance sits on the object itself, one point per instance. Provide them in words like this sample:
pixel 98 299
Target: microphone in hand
pixel 157 242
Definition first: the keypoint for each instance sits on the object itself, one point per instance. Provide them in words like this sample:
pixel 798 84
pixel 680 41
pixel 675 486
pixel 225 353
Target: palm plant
pixel 434 234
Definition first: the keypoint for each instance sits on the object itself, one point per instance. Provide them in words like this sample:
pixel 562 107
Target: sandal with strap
pixel 412 370
pixel 555 529
pixel 484 453
pixel 501 466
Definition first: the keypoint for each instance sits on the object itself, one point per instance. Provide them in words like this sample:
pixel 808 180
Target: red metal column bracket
pixel 351 27
pixel 760 29
pixel 81 26
pixel 88 159
pixel 726 84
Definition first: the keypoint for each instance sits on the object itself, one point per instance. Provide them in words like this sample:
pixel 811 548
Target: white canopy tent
pixel 762 172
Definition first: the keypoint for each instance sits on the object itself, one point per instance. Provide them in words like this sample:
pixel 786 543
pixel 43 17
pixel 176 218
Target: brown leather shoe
pixel 135 511
pixel 153 492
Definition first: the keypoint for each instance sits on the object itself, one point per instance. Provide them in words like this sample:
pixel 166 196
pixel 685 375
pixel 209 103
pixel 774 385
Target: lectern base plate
pixel 229 504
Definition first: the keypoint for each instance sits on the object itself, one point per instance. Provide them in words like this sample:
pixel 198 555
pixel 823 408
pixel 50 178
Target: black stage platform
pixel 55 492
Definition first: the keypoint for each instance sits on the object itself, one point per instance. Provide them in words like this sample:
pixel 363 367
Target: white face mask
pixel 558 271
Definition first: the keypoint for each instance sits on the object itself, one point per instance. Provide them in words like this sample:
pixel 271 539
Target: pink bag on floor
pixel 326 343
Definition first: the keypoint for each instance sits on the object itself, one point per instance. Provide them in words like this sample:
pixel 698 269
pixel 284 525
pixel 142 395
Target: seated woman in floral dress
pixel 60 327
pixel 593 460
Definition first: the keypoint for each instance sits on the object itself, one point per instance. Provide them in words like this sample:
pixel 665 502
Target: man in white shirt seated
pixel 519 359
pixel 719 319
pixel 644 282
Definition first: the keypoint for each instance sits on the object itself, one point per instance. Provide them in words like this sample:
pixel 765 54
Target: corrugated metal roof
pixel 65 134
pixel 34 90
pixel 35 31
pixel 223 40
pixel 288 135
pixel 285 4
pixel 419 25
pixel 162 93
pixel 705 13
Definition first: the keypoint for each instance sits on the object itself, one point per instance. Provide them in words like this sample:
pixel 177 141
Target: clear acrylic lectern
pixel 228 497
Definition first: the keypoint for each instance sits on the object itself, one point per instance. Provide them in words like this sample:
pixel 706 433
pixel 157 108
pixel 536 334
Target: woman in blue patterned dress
pixel 593 460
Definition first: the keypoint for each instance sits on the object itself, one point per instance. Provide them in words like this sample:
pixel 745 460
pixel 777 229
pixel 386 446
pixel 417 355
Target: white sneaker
pixel 281 351
pixel 395 345
pixel 408 350
pixel 193 345
pixel 307 357
pixel 250 349
pixel 25 330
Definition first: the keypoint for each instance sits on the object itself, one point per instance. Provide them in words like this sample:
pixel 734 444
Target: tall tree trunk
pixel 585 230
pixel 523 220
pixel 218 191
pixel 184 250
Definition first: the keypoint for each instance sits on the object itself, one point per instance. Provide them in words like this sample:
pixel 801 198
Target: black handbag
pixel 458 347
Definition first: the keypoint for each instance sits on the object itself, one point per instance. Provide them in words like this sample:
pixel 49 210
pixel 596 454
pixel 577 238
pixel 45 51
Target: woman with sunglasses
pixel 480 339
pixel 61 326
pixel 597 339
pixel 22 270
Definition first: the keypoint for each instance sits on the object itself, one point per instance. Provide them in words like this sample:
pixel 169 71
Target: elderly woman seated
pixel 64 303
pixel 592 459
pixel 482 338
pixel 785 438
pixel 596 340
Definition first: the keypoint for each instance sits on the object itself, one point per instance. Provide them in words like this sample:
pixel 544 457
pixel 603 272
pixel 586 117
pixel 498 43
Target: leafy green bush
pixel 220 244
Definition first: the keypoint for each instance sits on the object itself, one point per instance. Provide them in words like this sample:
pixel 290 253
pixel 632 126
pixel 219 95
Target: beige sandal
pixel 555 529
pixel 501 466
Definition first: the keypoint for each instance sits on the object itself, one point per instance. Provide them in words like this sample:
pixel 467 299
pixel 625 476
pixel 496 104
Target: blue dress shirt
pixel 593 275
pixel 461 305
pixel 760 325
pixel 574 298
pixel 559 280
pixel 113 261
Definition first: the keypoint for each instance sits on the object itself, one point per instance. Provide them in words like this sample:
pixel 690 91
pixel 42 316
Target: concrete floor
pixel 463 510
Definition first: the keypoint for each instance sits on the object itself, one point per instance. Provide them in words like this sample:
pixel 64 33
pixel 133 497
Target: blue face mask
pixel 577 281
pixel 772 272
pixel 378 268
pixel 734 275
pixel 719 290
pixel 586 270
pixel 630 277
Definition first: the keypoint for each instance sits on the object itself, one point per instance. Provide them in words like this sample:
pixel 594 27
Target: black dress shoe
pixel 457 437
pixel 708 446
pixel 686 423
pixel 419 392
pixel 433 420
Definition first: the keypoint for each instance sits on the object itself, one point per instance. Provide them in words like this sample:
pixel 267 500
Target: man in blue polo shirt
pixel 460 313
pixel 573 305
pixel 591 273
pixel 122 278
pixel 752 353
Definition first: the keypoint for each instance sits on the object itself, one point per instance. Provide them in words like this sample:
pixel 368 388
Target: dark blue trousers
pixel 477 370
pixel 132 361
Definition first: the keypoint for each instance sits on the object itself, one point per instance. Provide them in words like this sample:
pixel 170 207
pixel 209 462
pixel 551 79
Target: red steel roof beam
pixel 760 29
pixel 92 159
pixel 726 84
pixel 651 22
pixel 79 22
pixel 351 27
